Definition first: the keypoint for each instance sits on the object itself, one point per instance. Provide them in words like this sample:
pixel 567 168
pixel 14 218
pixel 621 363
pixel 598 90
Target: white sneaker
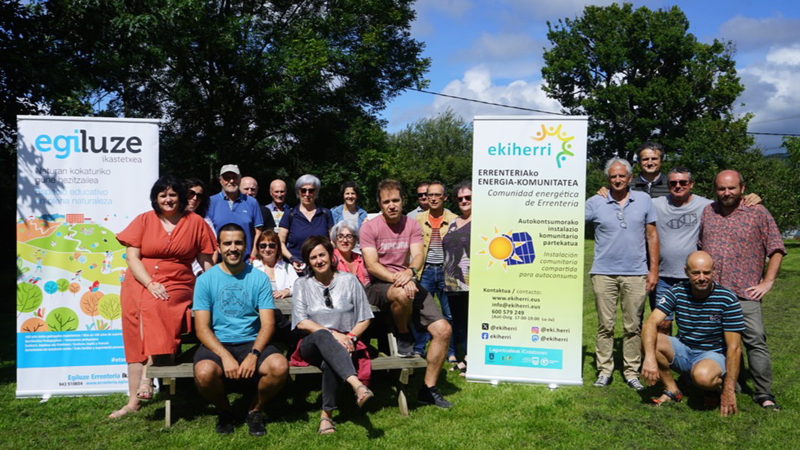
pixel 635 384
pixel 602 381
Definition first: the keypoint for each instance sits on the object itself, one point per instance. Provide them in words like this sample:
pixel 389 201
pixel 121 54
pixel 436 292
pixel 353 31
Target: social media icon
pixel 535 330
pixel 535 360
pixel 491 356
pixel 484 335
pixel 545 361
pixel 535 338
pixel 484 326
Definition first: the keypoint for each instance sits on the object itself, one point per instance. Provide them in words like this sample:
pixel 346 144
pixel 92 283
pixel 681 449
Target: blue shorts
pixel 664 284
pixel 686 357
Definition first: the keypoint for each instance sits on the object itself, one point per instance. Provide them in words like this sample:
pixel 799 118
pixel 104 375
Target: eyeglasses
pixel 267 245
pixel 673 183
pixel 436 195
pixel 466 198
pixel 345 237
pixel 422 194
pixel 328 299
pixel 621 218
pixel 307 190
pixel 193 194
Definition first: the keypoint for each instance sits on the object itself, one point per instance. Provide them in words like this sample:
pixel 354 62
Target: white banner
pixel 79 182
pixel 526 266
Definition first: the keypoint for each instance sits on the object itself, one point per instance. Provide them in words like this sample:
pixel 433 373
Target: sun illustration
pixel 501 248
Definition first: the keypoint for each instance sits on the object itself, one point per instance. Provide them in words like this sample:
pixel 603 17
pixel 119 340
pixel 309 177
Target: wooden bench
pixel 184 368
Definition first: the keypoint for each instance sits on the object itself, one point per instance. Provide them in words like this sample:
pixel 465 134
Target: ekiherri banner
pixel 80 181
pixel 526 274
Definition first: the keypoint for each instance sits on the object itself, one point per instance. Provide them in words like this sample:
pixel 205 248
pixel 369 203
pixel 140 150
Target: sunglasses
pixel 422 194
pixel 621 218
pixel 674 183
pixel 466 198
pixel 193 194
pixel 307 190
pixel 269 245
pixel 345 237
pixel 328 299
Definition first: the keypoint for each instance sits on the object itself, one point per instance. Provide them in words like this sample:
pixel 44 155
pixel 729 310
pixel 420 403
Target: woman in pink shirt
pixel 345 236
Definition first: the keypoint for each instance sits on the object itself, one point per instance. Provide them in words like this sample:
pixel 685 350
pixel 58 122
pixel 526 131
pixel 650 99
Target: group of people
pixel 702 263
pixel 224 259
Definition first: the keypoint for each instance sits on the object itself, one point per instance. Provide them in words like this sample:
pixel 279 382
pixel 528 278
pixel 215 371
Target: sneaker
pixel 602 381
pixel 405 345
pixel 634 384
pixel 255 423
pixel 432 396
pixel 224 422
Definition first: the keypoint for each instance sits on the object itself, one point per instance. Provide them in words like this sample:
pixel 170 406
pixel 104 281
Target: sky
pixel 491 50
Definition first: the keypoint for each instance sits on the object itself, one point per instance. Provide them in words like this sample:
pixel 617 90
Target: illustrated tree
pixel 63 285
pixel 29 297
pixel 639 74
pixel 33 325
pixel 62 319
pixel 74 288
pixel 89 303
pixel 51 287
pixel 110 308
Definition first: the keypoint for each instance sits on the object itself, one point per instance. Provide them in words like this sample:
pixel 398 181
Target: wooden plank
pixel 285 305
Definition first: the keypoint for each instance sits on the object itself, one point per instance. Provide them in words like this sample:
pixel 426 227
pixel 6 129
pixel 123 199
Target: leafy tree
pixel 110 307
pixel 62 319
pixel 639 74
pixel 29 297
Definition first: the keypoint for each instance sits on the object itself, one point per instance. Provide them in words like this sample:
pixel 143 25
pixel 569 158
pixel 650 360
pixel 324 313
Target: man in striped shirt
pixel 708 346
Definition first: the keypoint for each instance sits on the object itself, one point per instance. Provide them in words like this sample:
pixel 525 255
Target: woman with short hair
pixel 305 220
pixel 345 236
pixel 280 273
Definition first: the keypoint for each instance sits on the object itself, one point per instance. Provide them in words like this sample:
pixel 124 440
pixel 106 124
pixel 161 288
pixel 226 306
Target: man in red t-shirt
pixel 393 252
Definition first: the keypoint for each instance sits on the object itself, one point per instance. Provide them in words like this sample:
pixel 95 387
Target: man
pixel 278 207
pixel 392 248
pixel 434 223
pixel 650 155
pixel 740 238
pixel 231 206
pixel 422 199
pixel 625 222
pixel 249 186
pixel 233 315
pixel 708 345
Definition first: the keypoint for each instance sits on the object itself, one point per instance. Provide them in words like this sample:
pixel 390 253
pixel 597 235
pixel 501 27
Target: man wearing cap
pixel 231 206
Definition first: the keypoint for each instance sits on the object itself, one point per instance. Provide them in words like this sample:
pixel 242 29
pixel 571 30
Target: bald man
pixel 708 345
pixel 740 238
pixel 249 186
pixel 278 207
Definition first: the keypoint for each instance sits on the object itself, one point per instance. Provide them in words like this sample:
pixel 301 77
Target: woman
pixel 281 274
pixel 198 203
pixel 332 307
pixel 345 235
pixel 157 290
pixel 349 211
pixel 456 267
pixel 305 220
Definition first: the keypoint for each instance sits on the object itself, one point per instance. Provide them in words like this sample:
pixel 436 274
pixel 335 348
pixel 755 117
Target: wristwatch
pixel 352 337
pixel 414 272
pixel 256 352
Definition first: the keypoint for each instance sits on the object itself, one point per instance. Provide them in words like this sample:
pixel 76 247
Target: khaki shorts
pixel 424 310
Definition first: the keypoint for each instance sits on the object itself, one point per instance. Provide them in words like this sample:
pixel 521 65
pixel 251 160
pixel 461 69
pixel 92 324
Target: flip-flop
pixel 365 395
pixel 122 412
pixel 145 391
pixel 675 397
pixel 330 429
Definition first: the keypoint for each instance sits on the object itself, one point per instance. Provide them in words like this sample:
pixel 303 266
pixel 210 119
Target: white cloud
pixel 751 34
pixel 506 55
pixel 786 56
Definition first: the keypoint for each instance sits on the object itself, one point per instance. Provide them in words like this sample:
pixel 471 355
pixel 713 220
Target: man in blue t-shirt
pixel 708 347
pixel 234 320
pixel 232 206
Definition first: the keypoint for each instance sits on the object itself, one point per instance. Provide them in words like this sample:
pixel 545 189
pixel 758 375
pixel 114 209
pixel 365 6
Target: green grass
pixel 504 416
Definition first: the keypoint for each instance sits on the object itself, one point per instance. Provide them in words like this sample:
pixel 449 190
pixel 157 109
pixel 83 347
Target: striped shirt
pixel 702 323
pixel 435 251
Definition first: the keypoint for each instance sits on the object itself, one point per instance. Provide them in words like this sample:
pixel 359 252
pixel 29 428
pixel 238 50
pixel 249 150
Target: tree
pixel 639 74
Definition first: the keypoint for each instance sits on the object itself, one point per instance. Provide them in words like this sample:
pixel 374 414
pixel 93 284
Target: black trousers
pixel 321 349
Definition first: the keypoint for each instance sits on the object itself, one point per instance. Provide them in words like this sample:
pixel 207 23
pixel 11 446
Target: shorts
pixel 686 357
pixel 664 284
pixel 424 310
pixel 239 351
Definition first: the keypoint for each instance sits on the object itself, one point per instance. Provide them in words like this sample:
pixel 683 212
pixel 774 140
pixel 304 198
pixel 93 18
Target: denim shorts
pixel 686 357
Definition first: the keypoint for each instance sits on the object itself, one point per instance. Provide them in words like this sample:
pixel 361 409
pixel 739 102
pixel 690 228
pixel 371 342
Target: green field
pixel 505 416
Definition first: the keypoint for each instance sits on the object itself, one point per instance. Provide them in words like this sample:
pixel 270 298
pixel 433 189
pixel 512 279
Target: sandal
pixel 365 395
pixel 462 368
pixel 330 429
pixel 673 397
pixel 453 364
pixel 145 392
pixel 768 398
pixel 122 412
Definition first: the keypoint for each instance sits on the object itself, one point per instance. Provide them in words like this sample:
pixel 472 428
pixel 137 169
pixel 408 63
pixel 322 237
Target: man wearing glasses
pixel 625 237
pixel 231 206
pixel 422 199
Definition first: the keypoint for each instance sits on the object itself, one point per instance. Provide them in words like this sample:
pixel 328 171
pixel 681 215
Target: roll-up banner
pixel 526 274
pixel 79 182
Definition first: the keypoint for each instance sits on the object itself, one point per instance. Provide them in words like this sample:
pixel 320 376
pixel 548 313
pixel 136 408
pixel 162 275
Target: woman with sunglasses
pixel 197 202
pixel 280 273
pixel 345 235
pixel 332 307
pixel 305 220
pixel 456 267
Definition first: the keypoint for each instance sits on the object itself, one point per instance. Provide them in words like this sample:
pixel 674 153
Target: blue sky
pixel 491 50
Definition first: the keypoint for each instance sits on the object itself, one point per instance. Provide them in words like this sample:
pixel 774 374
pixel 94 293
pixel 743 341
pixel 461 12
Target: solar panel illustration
pixel 524 252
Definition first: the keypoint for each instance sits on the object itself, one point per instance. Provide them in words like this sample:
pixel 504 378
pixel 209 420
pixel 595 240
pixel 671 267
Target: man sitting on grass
pixel 708 345
pixel 234 319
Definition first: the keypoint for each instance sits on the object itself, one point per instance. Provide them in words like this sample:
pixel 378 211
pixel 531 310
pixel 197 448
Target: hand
pixel 399 279
pixel 751 200
pixel 727 403
pixel 283 293
pixel 158 290
pixel 231 367
pixel 651 282
pixel 299 266
pixel 248 367
pixel 411 289
pixel 603 191
pixel 650 371
pixel 346 342
pixel 760 290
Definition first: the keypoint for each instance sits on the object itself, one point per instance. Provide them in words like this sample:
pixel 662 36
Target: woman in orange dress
pixel 157 290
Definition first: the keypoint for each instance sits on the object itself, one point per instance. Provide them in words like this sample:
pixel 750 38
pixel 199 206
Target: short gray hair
pixel 618 160
pixel 344 224
pixel 307 179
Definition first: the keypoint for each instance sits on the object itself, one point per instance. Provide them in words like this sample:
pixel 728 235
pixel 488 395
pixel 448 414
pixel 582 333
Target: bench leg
pixel 402 401
pixel 170 392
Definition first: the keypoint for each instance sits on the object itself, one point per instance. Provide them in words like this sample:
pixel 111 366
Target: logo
pixel 491 356
pixel 484 326
pixel 715 318
pixel 83 142
pixel 684 220
pixel 535 330
pixel 535 360
pixel 535 338
pixel 510 248
pixel 545 361
pixel 514 149
pixel 484 335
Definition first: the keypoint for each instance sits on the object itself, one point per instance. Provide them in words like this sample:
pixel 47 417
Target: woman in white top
pixel 281 274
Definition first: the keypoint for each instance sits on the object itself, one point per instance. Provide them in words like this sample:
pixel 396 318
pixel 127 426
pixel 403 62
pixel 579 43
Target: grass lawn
pixel 504 416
